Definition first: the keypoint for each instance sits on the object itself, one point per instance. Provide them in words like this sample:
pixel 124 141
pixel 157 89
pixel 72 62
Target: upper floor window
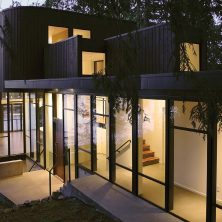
pixel 86 34
pixel 56 34
pixel 189 57
pixel 93 63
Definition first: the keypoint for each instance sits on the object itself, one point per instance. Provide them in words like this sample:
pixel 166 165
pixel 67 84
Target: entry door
pixel 58 148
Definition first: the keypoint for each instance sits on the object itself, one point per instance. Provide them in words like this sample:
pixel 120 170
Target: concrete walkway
pixel 118 202
pixel 30 186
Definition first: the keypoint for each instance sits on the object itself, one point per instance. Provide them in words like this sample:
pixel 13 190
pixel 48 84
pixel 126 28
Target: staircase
pixel 148 155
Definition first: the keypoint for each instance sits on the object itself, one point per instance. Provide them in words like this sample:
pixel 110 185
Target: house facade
pixel 53 114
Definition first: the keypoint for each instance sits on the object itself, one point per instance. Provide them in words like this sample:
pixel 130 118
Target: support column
pixel 135 146
pixel 211 166
pixel 76 136
pixel 169 173
pixel 112 154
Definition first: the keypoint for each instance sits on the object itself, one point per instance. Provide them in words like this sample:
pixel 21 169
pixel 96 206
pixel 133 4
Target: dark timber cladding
pixel 1 55
pixel 29 36
pixel 152 48
pixel 61 59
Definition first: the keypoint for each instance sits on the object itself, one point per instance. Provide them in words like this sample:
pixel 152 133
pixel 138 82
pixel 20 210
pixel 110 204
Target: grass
pixel 65 210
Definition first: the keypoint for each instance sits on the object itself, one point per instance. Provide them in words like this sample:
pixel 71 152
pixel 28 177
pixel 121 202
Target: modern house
pixel 52 112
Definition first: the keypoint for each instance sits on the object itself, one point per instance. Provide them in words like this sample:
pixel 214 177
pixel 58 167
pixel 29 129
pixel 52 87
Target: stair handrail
pixel 119 149
pixel 36 161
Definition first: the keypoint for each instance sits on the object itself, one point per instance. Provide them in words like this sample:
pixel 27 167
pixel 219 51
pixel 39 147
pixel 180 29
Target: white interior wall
pixel 190 161
pixel 190 152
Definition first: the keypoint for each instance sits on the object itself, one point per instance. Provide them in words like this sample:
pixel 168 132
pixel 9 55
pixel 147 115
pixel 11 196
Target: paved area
pixel 30 186
pixel 120 203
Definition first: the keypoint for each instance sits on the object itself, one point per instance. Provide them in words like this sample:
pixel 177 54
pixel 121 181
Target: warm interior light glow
pixel 86 34
pixel 56 34
pixel 193 52
pixel 93 62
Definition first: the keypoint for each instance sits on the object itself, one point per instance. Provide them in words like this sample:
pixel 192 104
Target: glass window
pixel 152 191
pixel 101 134
pixel 57 34
pixel 84 140
pixel 93 63
pixel 190 171
pixel 151 138
pixel 16 123
pixel 123 149
pixel 193 54
pixel 69 142
pixel 86 34
pixel 3 126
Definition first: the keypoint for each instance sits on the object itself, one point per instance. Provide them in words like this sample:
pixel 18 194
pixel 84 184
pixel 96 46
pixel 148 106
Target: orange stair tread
pixel 150 158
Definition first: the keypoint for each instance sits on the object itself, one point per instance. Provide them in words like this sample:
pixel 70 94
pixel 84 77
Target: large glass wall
pixel 190 165
pixel 69 142
pixel 84 131
pixel 151 150
pixel 123 149
pixel 101 135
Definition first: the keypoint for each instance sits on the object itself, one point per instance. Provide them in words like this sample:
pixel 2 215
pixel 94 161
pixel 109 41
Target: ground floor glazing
pixel 155 153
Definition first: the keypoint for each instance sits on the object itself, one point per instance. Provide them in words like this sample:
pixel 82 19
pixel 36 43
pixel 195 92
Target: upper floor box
pixel 31 32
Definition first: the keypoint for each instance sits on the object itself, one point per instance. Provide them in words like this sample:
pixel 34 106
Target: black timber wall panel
pixel 61 59
pixel 29 36
pixel 153 50
pixel 1 55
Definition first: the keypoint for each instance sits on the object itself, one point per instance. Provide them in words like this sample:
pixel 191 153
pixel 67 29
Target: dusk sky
pixel 6 3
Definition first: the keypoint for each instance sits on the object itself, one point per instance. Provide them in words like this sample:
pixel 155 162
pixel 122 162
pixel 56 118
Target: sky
pixel 6 3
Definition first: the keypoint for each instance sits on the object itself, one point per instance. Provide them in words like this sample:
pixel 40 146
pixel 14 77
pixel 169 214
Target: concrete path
pixel 30 186
pixel 120 203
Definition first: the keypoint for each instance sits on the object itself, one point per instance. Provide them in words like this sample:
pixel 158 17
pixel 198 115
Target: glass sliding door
pixel 190 165
pixel 69 142
pixel 101 135
pixel 3 126
pixel 84 131
pixel 151 151
pixel 123 149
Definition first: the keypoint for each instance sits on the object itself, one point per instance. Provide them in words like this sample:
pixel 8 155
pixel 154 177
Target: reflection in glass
pixel 84 141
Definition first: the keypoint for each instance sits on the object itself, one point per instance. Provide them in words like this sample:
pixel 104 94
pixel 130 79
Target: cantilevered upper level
pixel 43 43
pixel 30 31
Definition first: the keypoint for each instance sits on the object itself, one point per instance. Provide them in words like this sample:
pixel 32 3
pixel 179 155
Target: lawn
pixel 55 211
